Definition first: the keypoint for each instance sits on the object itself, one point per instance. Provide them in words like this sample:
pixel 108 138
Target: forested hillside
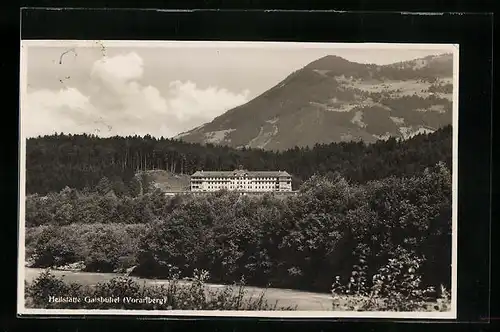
pixel 81 161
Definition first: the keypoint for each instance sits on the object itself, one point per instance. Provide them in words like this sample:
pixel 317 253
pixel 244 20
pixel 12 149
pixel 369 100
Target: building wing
pixel 239 173
pixel 241 180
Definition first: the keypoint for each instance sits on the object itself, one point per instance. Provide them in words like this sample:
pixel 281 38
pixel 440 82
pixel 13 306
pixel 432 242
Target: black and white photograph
pixel 247 179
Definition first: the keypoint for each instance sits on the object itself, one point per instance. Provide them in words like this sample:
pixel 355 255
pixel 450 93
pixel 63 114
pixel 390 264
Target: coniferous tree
pixel 78 161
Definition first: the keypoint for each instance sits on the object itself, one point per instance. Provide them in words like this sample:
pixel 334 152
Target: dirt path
pixel 285 297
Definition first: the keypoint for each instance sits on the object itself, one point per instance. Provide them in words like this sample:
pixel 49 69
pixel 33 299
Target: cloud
pixel 46 111
pixel 119 68
pixel 119 103
pixel 189 101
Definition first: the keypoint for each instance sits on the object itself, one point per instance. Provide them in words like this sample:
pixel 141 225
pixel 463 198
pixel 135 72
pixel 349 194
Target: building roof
pixel 239 172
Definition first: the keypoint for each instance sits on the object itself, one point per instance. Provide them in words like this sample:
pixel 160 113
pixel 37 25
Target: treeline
pixel 410 103
pixel 428 74
pixel 408 70
pixel 81 161
pixel 99 206
pixel 441 88
pixel 329 229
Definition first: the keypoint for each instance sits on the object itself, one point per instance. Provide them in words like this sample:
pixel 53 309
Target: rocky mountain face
pixel 334 100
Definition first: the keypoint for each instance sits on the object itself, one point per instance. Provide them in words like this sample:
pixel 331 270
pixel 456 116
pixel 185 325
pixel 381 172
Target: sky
pixel 161 90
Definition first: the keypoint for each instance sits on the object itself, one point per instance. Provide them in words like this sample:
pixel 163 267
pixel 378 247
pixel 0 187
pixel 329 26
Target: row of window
pixel 241 178
pixel 239 187
pixel 237 182
pixel 257 187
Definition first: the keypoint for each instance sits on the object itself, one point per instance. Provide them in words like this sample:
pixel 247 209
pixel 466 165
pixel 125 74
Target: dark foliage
pixel 98 247
pixel 304 240
pixel 300 241
pixel 82 161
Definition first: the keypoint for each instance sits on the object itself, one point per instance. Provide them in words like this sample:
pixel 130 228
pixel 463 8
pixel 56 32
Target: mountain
pixel 334 100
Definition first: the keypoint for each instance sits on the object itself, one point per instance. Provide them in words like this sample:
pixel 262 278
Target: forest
pixel 82 161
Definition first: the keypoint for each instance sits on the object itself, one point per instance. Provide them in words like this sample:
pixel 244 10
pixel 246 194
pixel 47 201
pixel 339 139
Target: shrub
pixel 39 292
pixel 176 295
pixel 395 287
pixel 32 235
pixel 103 247
pixel 108 250
pixel 55 246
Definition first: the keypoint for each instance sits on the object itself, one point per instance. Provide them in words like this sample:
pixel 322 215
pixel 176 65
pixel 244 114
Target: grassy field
pixel 285 297
pixel 167 181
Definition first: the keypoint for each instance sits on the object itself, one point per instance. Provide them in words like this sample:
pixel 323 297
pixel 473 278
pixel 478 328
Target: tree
pixel 104 186
pixel 104 251
pixel 135 187
pixel 119 187
pixel 64 214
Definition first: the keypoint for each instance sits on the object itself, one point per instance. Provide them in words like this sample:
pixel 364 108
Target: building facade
pixel 241 180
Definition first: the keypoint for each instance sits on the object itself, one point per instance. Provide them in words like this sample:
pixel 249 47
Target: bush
pixel 103 247
pixel 395 287
pixel 32 235
pixel 109 249
pixel 176 295
pixel 55 246
pixel 42 290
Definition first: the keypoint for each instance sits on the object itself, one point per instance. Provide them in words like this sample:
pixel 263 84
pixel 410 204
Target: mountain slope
pixel 333 100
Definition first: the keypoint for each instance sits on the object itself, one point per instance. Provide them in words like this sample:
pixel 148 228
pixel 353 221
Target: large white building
pixel 241 180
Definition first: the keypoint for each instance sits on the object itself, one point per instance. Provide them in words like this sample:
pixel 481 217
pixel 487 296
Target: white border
pixel 21 310
pixel 233 44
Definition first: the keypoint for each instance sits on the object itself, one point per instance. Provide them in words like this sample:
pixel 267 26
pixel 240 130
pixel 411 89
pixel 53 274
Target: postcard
pixel 238 179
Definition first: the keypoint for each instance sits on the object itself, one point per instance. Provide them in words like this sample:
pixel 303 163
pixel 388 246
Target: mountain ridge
pixel 333 99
